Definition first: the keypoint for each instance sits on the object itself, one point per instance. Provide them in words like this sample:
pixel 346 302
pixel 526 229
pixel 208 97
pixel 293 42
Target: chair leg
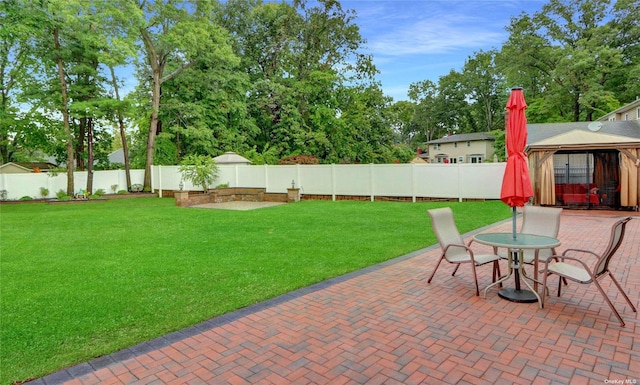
pixel 455 270
pixel 623 293
pixel 434 270
pixel 496 272
pixel 475 278
pixel 613 308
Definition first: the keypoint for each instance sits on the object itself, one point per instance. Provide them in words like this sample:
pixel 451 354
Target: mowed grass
pixel 79 281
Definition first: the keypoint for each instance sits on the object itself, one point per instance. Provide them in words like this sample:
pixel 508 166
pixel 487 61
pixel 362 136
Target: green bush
pixel 26 198
pixel 136 187
pixel 61 194
pixel 122 192
pixel 200 170
pixel 99 192
pixel 94 196
pixel 64 198
pixel 3 195
pixel 44 192
pixel 223 185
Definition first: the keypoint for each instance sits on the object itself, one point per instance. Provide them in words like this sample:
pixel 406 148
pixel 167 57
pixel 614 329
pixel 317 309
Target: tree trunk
pixel 123 135
pixel 89 156
pixel 65 115
pixel 153 127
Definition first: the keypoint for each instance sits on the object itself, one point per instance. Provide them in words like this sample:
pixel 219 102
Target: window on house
pixel 475 158
pixel 468 143
pixel 455 144
pixel 436 146
pixel 626 116
pixel 453 160
pixel 638 113
pixel 612 119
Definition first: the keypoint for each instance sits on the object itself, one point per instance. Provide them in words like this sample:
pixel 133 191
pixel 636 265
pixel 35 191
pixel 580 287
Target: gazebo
pixel 590 164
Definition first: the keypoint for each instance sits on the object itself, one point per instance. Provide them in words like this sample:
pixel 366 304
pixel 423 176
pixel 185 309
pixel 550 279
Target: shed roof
pixel 577 135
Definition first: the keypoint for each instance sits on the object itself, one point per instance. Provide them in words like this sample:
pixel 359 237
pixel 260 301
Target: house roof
pixel 626 107
pixel 464 138
pixel 39 165
pixel 578 135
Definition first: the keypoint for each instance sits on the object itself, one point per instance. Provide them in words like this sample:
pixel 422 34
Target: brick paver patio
pixel 386 325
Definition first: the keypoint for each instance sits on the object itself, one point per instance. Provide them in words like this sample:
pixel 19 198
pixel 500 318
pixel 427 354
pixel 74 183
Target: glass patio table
pixel 516 245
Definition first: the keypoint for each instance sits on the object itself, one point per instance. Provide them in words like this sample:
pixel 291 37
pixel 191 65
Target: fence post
pixel 413 182
pixel 333 182
pixel 371 182
pixel 159 182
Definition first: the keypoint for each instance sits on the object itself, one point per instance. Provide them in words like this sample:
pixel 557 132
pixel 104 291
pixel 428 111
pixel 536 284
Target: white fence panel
pixel 352 179
pixel 279 178
pixel 393 180
pixel 316 179
pixel 481 181
pixel 438 181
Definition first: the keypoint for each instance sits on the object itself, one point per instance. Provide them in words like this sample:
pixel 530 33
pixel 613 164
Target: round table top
pixel 521 241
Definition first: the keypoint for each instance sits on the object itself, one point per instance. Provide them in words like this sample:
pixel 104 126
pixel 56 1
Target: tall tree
pixel 176 35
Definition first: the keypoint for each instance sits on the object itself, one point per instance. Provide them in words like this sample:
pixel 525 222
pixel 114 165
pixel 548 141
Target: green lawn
pixel 82 280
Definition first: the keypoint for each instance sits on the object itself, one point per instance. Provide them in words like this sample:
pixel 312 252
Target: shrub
pixel 94 196
pixel 26 198
pixel 64 198
pixel 100 192
pixel 299 159
pixel 61 194
pixel 44 192
pixel 114 188
pixel 122 192
pixel 136 187
pixel 223 185
pixel 200 170
pixel 3 195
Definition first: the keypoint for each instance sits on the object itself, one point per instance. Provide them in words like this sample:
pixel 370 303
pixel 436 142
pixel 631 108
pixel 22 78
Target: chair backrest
pixel 541 221
pixel 617 235
pixel 445 230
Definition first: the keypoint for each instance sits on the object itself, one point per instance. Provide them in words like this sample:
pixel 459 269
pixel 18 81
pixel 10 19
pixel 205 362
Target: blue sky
pixel 415 40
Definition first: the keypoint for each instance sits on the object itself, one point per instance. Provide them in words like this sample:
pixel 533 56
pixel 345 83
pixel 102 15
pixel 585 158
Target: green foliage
pixel 200 170
pixel 84 301
pixel 3 195
pixel 44 192
pixel 99 192
pixel 61 194
pixel 26 198
pixel 136 187
pixel 122 192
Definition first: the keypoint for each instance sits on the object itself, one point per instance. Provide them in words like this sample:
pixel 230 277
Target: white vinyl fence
pixel 460 181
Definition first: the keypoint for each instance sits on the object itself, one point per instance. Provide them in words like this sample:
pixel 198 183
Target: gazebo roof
pixel 231 157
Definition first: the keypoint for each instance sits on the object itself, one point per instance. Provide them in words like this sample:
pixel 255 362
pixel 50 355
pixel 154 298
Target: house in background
pixel 629 112
pixel 462 148
pixel 25 167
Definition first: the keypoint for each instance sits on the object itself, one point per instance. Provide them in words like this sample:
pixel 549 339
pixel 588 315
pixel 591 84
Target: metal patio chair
pixel 582 272
pixel 453 248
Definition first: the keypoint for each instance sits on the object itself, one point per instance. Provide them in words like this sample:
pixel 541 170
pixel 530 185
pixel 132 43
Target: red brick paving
pixel 388 326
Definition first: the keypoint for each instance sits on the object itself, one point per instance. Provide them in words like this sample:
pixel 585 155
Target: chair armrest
pixel 584 265
pixel 564 253
pixel 460 246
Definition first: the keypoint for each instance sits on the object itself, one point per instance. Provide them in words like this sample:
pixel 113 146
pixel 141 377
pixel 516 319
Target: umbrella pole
pixel 514 223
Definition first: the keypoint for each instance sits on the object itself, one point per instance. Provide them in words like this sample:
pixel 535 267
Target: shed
pixel 231 157
pixel 589 164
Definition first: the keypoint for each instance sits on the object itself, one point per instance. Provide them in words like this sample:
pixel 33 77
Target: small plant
pixel 44 192
pixel 136 187
pixel 223 185
pixel 64 198
pixel 61 194
pixel 94 196
pixel 200 170
pixel 3 195
pixel 114 188
pixel 99 192
pixel 26 198
pixel 122 192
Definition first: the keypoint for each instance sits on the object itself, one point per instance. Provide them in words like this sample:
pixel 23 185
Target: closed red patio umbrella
pixel 516 182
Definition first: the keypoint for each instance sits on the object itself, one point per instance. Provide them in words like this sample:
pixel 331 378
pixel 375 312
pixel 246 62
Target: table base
pixel 515 295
